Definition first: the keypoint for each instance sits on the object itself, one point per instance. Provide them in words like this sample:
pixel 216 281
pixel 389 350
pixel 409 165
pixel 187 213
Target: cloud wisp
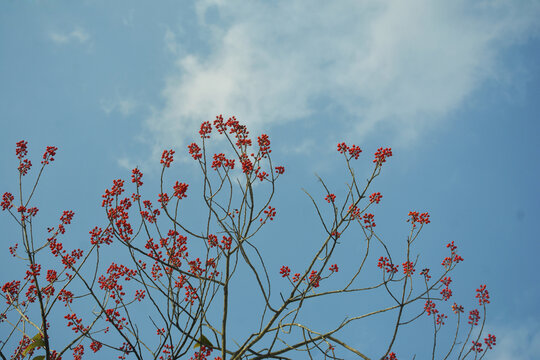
pixel 76 35
pixel 397 65
pixel 125 106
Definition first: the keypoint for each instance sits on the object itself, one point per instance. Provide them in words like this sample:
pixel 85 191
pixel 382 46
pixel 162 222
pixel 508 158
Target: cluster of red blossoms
pixel 386 264
pixel 381 155
pixel 314 277
pixel 375 197
pixel 354 151
pixel 249 162
pixel 420 219
pixel 454 258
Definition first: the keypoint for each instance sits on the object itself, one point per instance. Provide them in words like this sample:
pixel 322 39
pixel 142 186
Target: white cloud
pixel 521 342
pixel 78 35
pixel 399 64
pixel 170 41
pixel 124 106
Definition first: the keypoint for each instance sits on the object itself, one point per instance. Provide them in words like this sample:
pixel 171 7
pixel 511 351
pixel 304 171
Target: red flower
pixel 206 129
pixel 425 272
pixel 474 317
pixel 24 166
pixel 7 201
pixel 180 190
pixel 264 145
pixel 421 219
pixel 408 268
pixel 342 148
pixel 381 155
pixel 66 217
pixel 387 265
pixel 477 347
pixel 167 157
pixel 368 220
pixel 195 151
pixel 482 295
pixel 314 278
pixel 375 197
pixel 49 154
pixel 95 346
pixel 22 149
pixel 270 213
pixel 490 341
pixel 136 177
pixel 430 308
pixel 457 308
pixel 354 152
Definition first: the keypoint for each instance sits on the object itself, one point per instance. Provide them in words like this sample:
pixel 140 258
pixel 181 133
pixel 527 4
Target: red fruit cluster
pixel 381 155
pixel 354 151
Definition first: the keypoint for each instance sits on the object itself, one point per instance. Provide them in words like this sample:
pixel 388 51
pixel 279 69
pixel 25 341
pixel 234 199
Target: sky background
pixel 452 87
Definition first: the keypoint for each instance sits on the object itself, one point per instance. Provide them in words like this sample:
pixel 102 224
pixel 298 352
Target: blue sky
pixel 453 88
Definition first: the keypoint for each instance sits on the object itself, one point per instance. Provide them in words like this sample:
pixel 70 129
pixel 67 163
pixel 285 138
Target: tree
pixel 178 283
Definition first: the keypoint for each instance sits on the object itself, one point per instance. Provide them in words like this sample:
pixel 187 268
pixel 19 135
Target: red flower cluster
pixel 368 221
pixel 440 319
pixel 98 236
pixel 446 292
pixel 49 154
pixel 354 151
pixel 375 197
pixel 167 158
pixel 429 307
pixel 24 166
pixel 457 308
pixel 113 317
pixel 408 268
pixel 206 129
pixel 387 265
pixel 284 271
pixel 136 176
pixel 270 213
pixel 354 212
pixel 490 341
pixel 195 151
pixel 180 190
pixel 330 198
pixel 381 155
pixel 454 258
pixel 482 295
pixel 474 317
pixel 21 149
pixel 264 145
pixel 7 201
pixel 240 131
pixel 314 278
pixel 247 165
pixel 425 272
pixel 74 321
pixel 421 219
pixel 477 347
pixel 220 160
pixel 11 289
pixel 95 346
